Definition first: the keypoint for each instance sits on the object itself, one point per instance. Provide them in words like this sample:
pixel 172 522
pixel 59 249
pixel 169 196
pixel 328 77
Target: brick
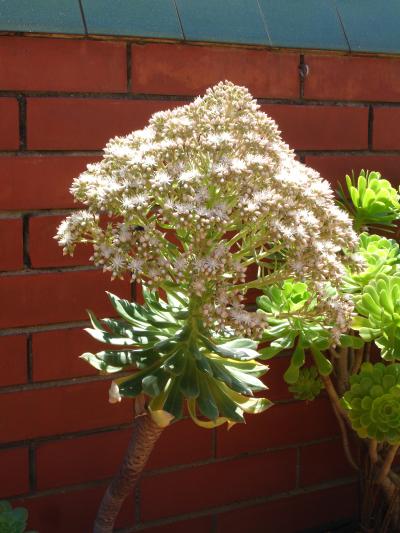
pixel 289 515
pixel 197 525
pixel 55 354
pixel 190 490
pixel 323 462
pixel 352 78
pixel 74 510
pixel 32 64
pixel 58 410
pixel 11 244
pixel 307 127
pixel 9 124
pixel 39 182
pixel 172 447
pixel 14 468
pixel 59 297
pixel 386 129
pixel 273 379
pixel 281 425
pixel 84 123
pixel 44 250
pixel 13 360
pixel 334 168
pixel 168 69
pixel 71 461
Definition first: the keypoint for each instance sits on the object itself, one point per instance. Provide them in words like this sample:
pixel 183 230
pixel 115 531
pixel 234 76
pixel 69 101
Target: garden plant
pixel 359 370
pixel 13 520
pixel 187 208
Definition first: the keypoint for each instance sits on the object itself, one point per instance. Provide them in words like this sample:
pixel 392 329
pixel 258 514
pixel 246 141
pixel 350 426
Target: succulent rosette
pixel 373 402
pixel 378 317
pixel 308 386
pixel 379 256
pixel 373 201
pixel 178 362
pixel 294 321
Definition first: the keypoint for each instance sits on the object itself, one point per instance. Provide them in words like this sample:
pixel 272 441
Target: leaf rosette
pixel 373 402
pixel 308 386
pixel 379 315
pixel 290 311
pixel 380 256
pixel 373 201
pixel 176 360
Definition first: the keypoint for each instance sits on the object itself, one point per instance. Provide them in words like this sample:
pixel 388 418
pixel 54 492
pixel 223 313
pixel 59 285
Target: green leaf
pixel 350 341
pixel 174 402
pixel 323 364
pixel 189 383
pixel 205 400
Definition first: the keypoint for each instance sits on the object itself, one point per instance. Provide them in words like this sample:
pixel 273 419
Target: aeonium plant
pixel 364 392
pixel 186 207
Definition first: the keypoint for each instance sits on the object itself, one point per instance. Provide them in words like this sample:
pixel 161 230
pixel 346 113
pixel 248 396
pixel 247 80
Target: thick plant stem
pixel 144 436
pixel 387 463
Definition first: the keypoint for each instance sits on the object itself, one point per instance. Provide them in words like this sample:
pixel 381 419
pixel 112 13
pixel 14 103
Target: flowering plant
pixel 187 207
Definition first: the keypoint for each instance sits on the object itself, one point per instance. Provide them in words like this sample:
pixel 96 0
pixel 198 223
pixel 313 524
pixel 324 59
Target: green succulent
pixel 380 255
pixel 13 520
pixel 379 314
pixel 292 321
pixel 175 359
pixel 373 201
pixel 308 386
pixel 373 402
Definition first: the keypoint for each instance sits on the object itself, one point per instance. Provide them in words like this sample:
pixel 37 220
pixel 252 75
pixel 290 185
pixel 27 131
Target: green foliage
pixel 380 255
pixel 174 359
pixel 308 386
pixel 290 310
pixel 373 201
pixel 379 315
pixel 13 520
pixel 373 402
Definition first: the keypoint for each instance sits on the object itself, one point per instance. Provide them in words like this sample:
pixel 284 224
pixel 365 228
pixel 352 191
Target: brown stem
pixel 373 451
pixel 387 463
pixel 345 438
pixel 343 371
pixel 358 359
pixel 334 398
pixel 144 436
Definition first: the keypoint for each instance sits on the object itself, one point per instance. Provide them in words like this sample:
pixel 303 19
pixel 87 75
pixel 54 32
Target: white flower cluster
pixel 201 194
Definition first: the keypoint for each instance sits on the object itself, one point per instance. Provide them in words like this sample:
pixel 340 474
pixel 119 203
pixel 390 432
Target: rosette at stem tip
pixel 378 320
pixel 373 402
pixel 295 323
pixel 371 201
pixel 175 361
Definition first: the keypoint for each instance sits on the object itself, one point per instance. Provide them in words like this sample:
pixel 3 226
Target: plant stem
pixel 373 451
pixel 387 463
pixel 144 436
pixel 345 439
pixel 334 398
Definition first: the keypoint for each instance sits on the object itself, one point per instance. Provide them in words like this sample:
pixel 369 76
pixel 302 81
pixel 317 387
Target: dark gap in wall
pixel 298 467
pixel 32 466
pixel 370 126
pixel 83 17
pixel 29 358
pixel 25 241
pixel 302 75
pixel 22 121
pixel 180 20
pixel 129 67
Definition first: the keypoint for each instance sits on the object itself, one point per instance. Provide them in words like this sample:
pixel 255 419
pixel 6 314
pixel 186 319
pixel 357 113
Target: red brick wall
pixel 60 440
